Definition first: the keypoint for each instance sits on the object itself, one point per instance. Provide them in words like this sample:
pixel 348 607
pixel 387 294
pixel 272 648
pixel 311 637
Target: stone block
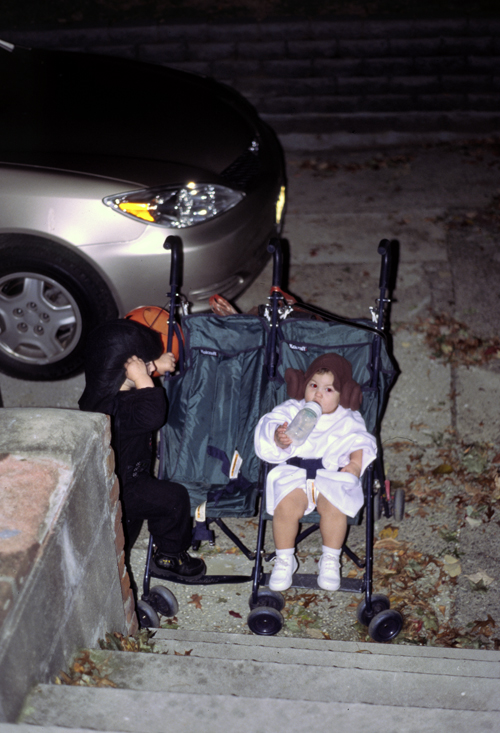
pixel 187 32
pixel 484 26
pixel 233 32
pixel 414 85
pixel 430 65
pixel 238 69
pixel 467 46
pixel 363 85
pixel 192 67
pixel 210 51
pixel 437 102
pixel 338 67
pixel 339 28
pixel 162 53
pixel 388 103
pixel 123 52
pixel 416 46
pixel 312 49
pixel 391 66
pixel 287 68
pixel 65 548
pixel 374 48
pixel 484 64
pixel 264 50
pixel 467 83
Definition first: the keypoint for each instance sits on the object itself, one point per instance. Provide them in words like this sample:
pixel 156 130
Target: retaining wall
pixel 63 581
pixel 321 78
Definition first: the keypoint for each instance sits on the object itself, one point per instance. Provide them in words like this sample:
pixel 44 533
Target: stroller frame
pixel 265 605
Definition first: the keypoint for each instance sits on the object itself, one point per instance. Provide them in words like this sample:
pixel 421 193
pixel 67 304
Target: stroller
pixel 231 372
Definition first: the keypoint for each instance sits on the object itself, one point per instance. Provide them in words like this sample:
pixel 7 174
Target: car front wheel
pixel 49 301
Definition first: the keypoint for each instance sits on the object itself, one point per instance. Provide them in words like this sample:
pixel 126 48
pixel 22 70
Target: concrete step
pixel 323 653
pixel 81 708
pixel 247 682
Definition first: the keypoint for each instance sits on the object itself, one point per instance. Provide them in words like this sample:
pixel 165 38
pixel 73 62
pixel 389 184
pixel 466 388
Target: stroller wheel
pixel 163 601
pixel 386 625
pixel 379 603
pixel 148 618
pixel 265 621
pixel 399 505
pixel 267 597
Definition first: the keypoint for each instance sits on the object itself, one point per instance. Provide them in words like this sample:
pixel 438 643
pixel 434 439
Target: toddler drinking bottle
pixel 303 423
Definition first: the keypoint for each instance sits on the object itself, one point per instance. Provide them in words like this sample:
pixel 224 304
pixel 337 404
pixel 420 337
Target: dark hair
pixel 108 348
pixel 350 391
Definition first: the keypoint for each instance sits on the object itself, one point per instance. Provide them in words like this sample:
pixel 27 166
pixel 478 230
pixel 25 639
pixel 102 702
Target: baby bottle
pixel 303 423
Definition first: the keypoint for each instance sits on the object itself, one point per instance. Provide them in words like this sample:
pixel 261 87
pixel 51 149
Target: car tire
pixel 50 299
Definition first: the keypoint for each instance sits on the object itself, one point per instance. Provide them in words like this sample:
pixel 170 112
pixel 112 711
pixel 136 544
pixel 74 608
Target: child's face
pixel 320 389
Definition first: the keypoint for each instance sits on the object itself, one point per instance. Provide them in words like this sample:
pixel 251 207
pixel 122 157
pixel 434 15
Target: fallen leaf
pixel 196 599
pixel 389 532
pixel 484 627
pixel 452 566
pixel 235 614
pixel 481 575
pixel 105 682
pixel 186 653
pixel 474 523
pixel 443 469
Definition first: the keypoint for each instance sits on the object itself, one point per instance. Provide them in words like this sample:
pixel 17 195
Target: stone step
pixel 104 709
pixel 261 671
pixel 346 655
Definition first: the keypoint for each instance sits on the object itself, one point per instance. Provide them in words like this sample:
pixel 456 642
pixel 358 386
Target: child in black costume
pixel 121 356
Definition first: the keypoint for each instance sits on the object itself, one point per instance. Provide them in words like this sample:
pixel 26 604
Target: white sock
pixel 285 553
pixel 330 551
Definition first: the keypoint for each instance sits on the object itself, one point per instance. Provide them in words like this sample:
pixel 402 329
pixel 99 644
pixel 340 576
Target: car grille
pixel 242 171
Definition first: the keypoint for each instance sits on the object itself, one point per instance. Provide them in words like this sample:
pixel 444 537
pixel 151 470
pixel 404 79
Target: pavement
pixel 442 203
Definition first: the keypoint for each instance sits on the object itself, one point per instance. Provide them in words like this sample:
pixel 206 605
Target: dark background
pixel 15 15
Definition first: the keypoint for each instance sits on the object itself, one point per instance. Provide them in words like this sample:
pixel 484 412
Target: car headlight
pixel 176 206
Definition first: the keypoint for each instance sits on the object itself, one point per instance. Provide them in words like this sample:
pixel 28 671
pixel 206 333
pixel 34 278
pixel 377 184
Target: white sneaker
pixel 329 572
pixel 284 568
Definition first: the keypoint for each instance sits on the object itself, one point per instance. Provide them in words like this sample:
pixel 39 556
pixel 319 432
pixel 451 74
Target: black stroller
pixel 230 373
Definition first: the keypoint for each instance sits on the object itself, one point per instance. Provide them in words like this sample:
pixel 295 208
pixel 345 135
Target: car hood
pixel 102 115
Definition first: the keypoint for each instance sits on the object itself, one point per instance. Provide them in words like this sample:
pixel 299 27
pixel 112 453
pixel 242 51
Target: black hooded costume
pixel 135 415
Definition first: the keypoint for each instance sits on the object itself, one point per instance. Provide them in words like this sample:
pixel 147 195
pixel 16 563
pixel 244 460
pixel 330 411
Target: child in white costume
pixel 345 447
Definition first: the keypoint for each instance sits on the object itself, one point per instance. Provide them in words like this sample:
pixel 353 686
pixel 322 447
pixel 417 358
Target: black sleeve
pixel 143 410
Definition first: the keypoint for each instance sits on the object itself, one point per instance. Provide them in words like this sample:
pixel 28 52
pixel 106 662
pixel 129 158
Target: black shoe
pixel 180 567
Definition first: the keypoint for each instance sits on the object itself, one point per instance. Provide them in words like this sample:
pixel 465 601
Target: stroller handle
pixel 174 244
pixel 385 250
pixel 274 248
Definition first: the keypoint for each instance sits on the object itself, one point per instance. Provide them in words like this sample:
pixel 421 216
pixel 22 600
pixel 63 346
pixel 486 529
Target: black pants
pixel 166 507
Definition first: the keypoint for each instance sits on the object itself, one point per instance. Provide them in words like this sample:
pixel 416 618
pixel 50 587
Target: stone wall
pixel 63 581
pixel 324 78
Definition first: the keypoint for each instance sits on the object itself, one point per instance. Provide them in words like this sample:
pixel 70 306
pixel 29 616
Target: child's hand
pixel 281 439
pixel 137 371
pixel 166 363
pixel 352 468
pixel 355 464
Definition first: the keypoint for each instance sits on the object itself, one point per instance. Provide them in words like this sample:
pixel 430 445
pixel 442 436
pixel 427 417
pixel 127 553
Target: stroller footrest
pixel 306 580
pixel 206 579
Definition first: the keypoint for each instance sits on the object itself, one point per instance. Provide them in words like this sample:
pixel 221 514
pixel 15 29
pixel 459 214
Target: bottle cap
pixel 314 407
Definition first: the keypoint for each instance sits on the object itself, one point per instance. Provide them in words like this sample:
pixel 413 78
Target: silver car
pixel 101 159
